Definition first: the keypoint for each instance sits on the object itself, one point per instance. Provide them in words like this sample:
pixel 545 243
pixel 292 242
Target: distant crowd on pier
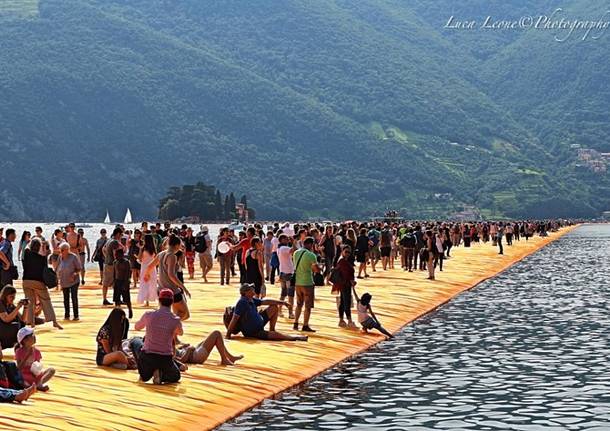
pixel 154 259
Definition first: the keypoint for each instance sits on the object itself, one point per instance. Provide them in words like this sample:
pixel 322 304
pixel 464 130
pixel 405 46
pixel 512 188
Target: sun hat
pixel 23 333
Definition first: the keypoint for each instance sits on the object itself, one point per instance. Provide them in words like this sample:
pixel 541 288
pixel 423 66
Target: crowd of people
pixel 154 258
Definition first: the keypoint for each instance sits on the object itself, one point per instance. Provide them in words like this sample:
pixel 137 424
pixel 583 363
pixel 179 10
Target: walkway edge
pixel 552 238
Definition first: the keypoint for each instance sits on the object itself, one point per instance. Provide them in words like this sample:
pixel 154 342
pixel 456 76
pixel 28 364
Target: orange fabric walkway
pixel 84 396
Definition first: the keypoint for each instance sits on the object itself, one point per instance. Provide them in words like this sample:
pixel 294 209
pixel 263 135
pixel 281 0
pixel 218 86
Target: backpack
pixel 49 277
pixel 335 277
pixel 201 245
pixel 408 240
pixel 227 317
pixel 98 255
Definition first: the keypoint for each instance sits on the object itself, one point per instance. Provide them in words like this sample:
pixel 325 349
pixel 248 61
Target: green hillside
pixel 328 108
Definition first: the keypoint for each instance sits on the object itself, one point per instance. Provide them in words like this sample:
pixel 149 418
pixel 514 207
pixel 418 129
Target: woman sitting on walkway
pixel 199 354
pixel 11 320
pixel 109 341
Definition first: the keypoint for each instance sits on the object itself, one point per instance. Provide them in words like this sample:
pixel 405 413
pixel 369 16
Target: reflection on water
pixel 525 351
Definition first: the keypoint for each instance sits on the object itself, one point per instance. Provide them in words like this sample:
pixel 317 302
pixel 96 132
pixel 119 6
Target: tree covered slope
pixel 328 108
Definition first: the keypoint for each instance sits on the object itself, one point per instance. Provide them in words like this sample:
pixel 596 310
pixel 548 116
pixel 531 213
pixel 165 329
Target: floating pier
pixel 84 396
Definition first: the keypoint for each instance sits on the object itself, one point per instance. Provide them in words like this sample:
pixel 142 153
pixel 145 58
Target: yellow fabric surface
pixel 84 396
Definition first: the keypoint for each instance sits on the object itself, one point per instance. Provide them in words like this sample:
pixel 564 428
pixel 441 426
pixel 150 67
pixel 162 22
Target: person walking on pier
pixel 305 264
pixel 408 243
pixel 499 235
pixel 432 252
pixel 8 269
pixel 108 251
pixel 419 244
pixel 343 283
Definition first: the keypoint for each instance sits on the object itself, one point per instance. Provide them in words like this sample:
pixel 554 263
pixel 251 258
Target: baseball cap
pixel 23 333
pixel 166 294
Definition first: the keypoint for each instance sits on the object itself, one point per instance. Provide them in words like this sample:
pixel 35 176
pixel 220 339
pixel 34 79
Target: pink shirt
pixel 26 372
pixel 161 326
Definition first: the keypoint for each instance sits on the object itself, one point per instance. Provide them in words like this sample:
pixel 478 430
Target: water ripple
pixel 526 350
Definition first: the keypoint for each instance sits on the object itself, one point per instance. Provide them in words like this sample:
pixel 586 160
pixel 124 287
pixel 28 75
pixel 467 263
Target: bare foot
pixel 25 394
pixel 234 358
pixel 156 377
pixel 57 325
pixel 226 362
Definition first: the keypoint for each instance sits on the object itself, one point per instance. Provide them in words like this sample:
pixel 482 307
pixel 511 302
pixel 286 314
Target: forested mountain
pixel 324 108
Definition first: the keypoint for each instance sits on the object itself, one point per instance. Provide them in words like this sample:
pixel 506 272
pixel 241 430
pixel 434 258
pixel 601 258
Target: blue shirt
pixel 374 236
pixel 6 247
pixel 250 320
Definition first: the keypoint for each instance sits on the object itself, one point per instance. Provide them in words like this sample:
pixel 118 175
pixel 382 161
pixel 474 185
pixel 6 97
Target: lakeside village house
pixel 592 159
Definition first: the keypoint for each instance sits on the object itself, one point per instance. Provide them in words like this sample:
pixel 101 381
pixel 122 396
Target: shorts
pixel 108 277
pixel 134 264
pixel 287 285
pixel 305 296
pixel 121 292
pixel 386 251
pixel 369 323
pixel 178 296
pixel 262 334
pixel 374 252
pixel 360 257
pixel 205 260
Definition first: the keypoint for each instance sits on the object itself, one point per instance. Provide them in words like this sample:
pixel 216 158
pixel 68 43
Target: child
pixel 26 355
pixel 122 276
pixel 368 322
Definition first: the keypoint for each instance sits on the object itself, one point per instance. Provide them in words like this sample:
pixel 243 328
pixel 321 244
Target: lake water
pixel 527 350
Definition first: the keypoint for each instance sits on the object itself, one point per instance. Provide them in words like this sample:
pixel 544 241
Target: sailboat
pixel 127 217
pixel 107 219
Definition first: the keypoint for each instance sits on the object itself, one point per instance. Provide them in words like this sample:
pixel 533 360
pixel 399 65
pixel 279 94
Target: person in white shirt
pixel 284 254
pixel 274 261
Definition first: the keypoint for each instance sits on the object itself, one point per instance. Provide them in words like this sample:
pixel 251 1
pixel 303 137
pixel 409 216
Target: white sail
pixel 107 219
pixel 127 217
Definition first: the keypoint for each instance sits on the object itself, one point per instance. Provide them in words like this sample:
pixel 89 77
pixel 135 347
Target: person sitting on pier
pixel 251 323
pixel 156 359
pixel 368 321
pixel 188 354
pixel 109 340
